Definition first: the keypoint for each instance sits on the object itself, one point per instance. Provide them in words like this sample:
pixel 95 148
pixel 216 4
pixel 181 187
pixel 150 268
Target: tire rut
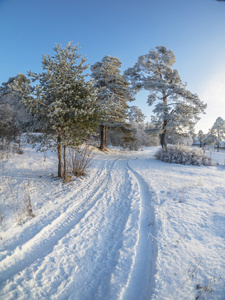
pixel 142 274
pixel 45 240
pixel 104 239
pixel 107 233
pixel 28 234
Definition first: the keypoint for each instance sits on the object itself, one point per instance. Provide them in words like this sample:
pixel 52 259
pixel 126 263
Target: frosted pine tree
pixel 114 92
pixel 216 134
pixel 14 118
pixel 62 100
pixel 136 115
pixel 201 138
pixel 175 108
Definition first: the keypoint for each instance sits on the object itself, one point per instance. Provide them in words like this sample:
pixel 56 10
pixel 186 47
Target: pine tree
pixel 135 115
pixel 62 100
pixel 216 134
pixel 14 118
pixel 175 108
pixel 201 137
pixel 114 92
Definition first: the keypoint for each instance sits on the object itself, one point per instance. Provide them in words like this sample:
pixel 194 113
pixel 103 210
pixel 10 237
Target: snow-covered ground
pixel 132 228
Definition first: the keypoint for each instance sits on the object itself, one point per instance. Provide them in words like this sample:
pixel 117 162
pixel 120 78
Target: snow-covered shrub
pixel 17 200
pixel 28 210
pixel 22 204
pixel 79 161
pixel 180 154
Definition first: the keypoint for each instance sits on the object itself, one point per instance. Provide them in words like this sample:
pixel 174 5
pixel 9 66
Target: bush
pixel 79 160
pixel 184 155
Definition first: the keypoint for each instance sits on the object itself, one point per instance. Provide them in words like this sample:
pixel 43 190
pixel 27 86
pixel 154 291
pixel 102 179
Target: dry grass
pixel 79 161
pixel 17 201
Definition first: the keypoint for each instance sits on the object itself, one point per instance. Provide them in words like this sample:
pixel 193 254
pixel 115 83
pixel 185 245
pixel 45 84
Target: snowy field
pixel 133 228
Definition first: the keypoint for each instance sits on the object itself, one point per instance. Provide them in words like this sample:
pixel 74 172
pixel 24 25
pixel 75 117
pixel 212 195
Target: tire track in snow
pixel 118 266
pixel 37 226
pixel 109 257
pixel 140 283
pixel 103 225
pixel 45 240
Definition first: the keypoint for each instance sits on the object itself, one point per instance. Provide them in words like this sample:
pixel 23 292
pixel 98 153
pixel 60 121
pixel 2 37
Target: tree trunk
pixel 165 122
pixel 163 139
pixel 65 164
pixel 59 149
pixel 103 137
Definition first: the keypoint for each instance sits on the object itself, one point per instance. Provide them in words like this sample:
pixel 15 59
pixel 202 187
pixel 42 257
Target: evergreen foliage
pixel 144 132
pixel 201 138
pixel 175 108
pixel 62 100
pixel 113 94
pixel 176 138
pixel 14 118
pixel 216 134
pixel 135 115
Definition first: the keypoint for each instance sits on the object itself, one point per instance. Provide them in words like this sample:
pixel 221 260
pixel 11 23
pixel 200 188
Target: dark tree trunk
pixel 165 122
pixel 103 137
pixel 65 164
pixel 59 149
pixel 163 139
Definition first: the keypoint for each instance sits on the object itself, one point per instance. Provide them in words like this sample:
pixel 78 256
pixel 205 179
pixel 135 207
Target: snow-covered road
pixel 133 228
pixel 94 245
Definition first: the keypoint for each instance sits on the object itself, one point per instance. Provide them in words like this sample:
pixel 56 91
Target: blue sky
pixel 193 30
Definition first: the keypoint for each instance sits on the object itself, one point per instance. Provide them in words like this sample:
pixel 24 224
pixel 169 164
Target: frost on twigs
pixel 23 206
pixel 184 155
pixel 79 160
pixel 205 290
pixel 17 201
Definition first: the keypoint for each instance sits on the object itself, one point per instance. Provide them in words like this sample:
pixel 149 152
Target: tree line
pixel 215 135
pixel 67 104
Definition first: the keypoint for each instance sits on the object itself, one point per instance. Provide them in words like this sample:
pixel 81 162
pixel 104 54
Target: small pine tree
pixel 62 100
pixel 216 134
pixel 14 118
pixel 201 138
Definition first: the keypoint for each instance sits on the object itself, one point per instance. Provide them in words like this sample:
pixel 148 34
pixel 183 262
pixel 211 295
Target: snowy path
pixel 94 244
pixel 133 228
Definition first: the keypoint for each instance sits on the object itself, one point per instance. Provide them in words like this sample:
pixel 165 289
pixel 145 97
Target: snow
pixel 132 228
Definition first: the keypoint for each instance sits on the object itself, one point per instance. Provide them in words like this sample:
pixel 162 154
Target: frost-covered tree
pixel 176 108
pixel 193 135
pixel 152 138
pixel 216 134
pixel 175 138
pixel 135 115
pixel 114 93
pixel 201 138
pixel 14 117
pixel 136 119
pixel 144 132
pixel 63 100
